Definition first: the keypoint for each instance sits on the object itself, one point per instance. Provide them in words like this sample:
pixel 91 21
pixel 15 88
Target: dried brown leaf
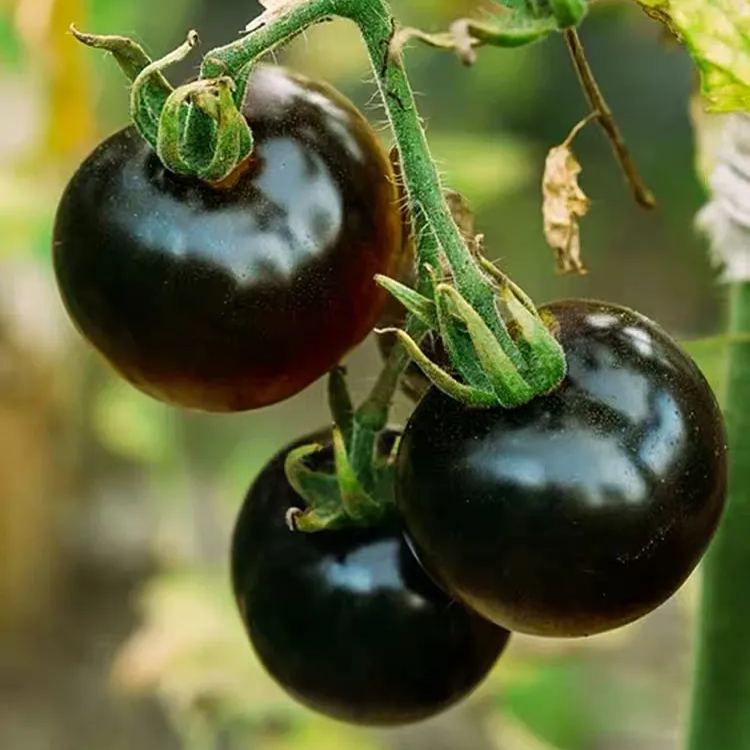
pixel 462 214
pixel 564 203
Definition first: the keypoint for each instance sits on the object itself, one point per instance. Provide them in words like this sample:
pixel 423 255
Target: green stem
pixel 421 178
pixel 643 196
pixel 721 716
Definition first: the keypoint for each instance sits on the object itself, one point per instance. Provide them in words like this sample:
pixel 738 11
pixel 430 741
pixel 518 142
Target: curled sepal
pixel 511 389
pixel 457 341
pixel 334 499
pixel 233 141
pixel 148 96
pixel 128 54
pixel 495 273
pixel 417 304
pixel 319 490
pixel 466 394
pixel 540 348
pixel 230 141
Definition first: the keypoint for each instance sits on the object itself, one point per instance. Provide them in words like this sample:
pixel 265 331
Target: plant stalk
pixel 643 196
pixel 720 717
pixel 421 180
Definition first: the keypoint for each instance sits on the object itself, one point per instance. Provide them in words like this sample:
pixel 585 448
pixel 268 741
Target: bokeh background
pixel 117 628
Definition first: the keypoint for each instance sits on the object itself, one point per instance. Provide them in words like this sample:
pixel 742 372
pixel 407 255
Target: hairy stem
pixel 422 182
pixel 642 194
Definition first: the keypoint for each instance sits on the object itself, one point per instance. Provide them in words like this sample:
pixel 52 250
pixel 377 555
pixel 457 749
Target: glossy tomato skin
pixel 234 296
pixel 347 622
pixel 584 509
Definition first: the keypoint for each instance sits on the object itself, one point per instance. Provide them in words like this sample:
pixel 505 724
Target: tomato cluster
pixel 576 513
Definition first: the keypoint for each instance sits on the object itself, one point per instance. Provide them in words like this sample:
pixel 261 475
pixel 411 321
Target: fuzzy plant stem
pixel 720 718
pixel 420 175
pixel 421 179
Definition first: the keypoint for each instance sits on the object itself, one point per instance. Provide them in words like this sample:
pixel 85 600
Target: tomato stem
pixel 198 129
pixel 534 366
pixel 720 717
pixel 643 196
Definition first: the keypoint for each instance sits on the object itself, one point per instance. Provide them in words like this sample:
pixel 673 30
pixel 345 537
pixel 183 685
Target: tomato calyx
pixel 356 489
pixel 336 498
pixel 196 129
pixel 504 356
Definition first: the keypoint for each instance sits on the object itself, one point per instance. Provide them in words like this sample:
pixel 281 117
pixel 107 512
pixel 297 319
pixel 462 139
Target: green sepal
pixel 133 61
pixel 233 141
pixel 241 80
pixel 360 507
pixel 340 403
pixel 511 389
pixel 128 54
pixel 417 304
pixel 495 273
pixel 147 96
pixel 543 352
pixel 197 130
pixel 457 342
pixel 336 499
pixel 466 394
pixel 169 144
pixel 319 490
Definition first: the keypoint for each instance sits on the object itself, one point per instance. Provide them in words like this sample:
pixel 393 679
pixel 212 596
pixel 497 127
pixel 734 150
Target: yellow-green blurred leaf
pixel 11 50
pixel 131 424
pixel 711 356
pixel 568 705
pixel 483 167
pixel 717 35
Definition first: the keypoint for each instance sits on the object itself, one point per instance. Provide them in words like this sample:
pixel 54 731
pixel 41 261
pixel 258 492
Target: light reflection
pixel 622 390
pixel 367 569
pixel 666 436
pixel 299 218
pixel 608 473
pixel 641 340
pixel 602 320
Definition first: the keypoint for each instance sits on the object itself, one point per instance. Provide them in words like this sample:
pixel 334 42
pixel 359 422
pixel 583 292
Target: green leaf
pixel 712 356
pixel 717 35
pixel 133 425
pixel 571 704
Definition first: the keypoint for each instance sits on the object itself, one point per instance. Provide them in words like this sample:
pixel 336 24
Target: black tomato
pixel 237 295
pixel 584 509
pixel 347 622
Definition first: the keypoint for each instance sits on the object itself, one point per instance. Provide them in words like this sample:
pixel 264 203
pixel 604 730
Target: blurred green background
pixel 117 629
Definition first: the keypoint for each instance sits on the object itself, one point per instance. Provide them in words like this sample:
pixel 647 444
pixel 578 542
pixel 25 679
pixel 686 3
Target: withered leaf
pixel 564 203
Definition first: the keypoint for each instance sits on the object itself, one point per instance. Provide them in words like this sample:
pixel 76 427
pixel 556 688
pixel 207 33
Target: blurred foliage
pixel 717 33
pixel 99 481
